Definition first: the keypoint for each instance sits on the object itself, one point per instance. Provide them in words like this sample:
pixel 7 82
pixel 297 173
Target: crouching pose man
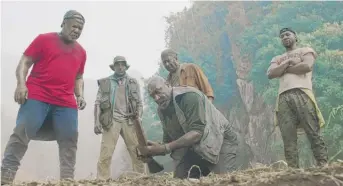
pixel 194 131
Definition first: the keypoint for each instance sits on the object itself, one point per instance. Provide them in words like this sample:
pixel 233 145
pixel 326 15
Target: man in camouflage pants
pixel 296 107
pixel 112 116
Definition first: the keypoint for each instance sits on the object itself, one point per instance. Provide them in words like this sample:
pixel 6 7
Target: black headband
pixel 287 29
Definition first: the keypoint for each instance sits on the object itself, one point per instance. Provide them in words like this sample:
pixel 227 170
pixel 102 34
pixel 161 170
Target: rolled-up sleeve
pixel 193 107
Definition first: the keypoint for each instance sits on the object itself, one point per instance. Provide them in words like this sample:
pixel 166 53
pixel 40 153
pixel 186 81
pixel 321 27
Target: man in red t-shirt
pixel 50 98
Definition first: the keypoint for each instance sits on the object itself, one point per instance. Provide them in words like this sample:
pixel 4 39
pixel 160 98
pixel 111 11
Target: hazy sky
pixel 132 29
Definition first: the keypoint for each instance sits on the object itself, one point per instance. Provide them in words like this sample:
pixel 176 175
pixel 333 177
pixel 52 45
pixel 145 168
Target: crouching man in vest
pixel 111 116
pixel 194 131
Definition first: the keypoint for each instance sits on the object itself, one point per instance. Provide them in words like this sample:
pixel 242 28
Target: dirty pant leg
pixel 14 153
pixel 188 166
pixel 310 123
pixel 288 121
pixel 228 154
pixel 30 118
pixel 108 144
pixel 65 123
pixel 131 141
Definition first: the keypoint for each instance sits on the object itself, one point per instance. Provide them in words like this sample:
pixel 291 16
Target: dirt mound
pixel 264 176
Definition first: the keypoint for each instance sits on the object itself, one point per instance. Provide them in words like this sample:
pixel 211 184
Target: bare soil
pixel 331 175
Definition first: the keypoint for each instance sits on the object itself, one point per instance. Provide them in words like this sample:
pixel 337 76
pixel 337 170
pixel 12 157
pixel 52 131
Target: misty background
pixel 132 29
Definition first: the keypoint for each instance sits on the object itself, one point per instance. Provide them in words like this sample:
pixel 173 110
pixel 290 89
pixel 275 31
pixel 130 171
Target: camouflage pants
pixel 43 122
pixel 227 160
pixel 296 109
pixel 108 143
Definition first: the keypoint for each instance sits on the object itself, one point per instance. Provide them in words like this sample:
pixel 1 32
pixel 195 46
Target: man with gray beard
pixel 194 131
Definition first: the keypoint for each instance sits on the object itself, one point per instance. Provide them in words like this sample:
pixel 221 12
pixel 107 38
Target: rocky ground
pixel 274 175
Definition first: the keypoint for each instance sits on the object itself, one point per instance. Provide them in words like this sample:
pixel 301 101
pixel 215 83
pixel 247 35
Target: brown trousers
pixel 108 144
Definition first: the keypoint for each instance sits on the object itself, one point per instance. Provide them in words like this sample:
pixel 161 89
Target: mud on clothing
pixel 108 144
pixel 113 92
pixel 50 113
pixel 194 111
pixel 188 102
pixel 42 121
pixel 296 110
pixel 303 82
pixel 56 65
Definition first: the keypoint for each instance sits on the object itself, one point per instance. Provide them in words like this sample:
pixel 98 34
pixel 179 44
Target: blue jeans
pixel 41 121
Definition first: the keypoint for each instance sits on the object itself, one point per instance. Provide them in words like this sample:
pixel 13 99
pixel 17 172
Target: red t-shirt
pixel 52 78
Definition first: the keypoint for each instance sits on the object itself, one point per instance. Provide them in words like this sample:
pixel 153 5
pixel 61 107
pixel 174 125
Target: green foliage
pixel 200 35
pixel 317 25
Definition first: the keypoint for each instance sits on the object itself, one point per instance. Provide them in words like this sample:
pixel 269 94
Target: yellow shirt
pixel 190 74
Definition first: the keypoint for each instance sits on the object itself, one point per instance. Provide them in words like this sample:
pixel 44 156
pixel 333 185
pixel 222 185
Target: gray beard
pixel 164 105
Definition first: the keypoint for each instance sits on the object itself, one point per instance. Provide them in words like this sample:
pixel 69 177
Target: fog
pixel 132 29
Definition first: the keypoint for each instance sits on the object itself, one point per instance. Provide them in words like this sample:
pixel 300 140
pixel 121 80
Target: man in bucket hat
pixel 111 116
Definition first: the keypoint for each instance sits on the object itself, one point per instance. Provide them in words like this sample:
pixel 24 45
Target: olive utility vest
pixel 212 139
pixel 108 95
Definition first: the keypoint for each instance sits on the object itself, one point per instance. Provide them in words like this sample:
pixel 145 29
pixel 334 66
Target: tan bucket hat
pixel 119 59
